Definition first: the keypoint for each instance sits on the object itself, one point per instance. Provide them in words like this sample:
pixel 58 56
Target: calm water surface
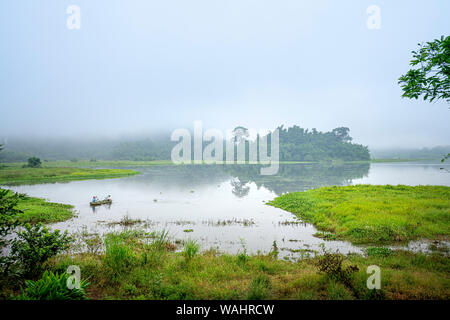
pixel 201 198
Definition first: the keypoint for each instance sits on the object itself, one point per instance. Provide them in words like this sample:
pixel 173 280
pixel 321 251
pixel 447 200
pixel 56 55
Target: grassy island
pixel 374 213
pixel 17 174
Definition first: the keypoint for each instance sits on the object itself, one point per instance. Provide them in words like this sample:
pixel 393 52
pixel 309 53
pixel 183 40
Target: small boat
pixel 100 202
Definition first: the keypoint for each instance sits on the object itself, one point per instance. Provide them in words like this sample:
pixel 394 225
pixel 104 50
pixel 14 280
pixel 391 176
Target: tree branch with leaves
pixel 430 75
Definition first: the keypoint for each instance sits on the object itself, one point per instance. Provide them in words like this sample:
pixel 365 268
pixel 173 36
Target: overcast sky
pixel 136 66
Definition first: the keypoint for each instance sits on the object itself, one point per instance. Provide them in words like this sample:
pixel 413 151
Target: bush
pixel 331 265
pixel 34 162
pixel 35 245
pixel 8 222
pixel 52 286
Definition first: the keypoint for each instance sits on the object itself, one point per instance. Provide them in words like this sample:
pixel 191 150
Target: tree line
pixel 296 144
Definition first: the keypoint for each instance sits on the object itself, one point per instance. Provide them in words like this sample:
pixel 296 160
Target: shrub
pixel 331 265
pixel 52 286
pixel 8 222
pixel 35 245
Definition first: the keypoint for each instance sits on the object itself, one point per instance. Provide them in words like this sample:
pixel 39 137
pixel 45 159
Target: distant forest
pixel 424 153
pixel 296 144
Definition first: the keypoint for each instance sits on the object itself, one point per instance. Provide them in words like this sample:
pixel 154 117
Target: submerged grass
pixel 373 213
pixel 134 268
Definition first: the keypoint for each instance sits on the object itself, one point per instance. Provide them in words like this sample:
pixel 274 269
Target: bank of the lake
pixel 138 163
pixel 139 266
pixel 38 210
pixel 15 174
pixel 374 213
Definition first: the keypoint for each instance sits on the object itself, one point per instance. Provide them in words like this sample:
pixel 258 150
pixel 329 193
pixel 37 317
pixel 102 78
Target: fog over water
pixel 137 67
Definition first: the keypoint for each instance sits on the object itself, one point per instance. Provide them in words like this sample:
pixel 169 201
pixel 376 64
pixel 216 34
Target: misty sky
pixel 139 66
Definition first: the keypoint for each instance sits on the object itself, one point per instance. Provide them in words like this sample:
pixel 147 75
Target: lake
pixel 223 206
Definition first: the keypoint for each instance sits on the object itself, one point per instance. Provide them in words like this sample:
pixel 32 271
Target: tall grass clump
pixel 119 253
pixel 153 253
pixel 259 288
pixel 161 240
pixel 191 248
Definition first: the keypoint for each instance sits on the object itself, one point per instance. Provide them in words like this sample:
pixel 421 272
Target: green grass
pixel 39 210
pixel 35 210
pixel 14 174
pixel 103 163
pixel 135 268
pixel 374 214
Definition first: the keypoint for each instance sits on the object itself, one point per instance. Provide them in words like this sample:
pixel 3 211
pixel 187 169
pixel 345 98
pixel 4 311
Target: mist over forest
pixel 296 144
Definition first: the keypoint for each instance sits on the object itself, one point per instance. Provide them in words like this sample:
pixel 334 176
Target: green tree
pixel 429 76
pixel 342 133
pixel 34 162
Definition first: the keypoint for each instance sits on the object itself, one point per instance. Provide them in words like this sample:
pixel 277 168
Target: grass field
pixel 103 163
pixel 374 214
pixel 133 268
pixel 13 174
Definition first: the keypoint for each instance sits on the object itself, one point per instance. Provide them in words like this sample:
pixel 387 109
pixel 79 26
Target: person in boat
pixel 108 197
pixel 94 199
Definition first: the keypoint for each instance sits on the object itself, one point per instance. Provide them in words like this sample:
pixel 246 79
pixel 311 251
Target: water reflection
pixel 240 189
pixel 290 177
pixel 299 177
pixel 106 205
